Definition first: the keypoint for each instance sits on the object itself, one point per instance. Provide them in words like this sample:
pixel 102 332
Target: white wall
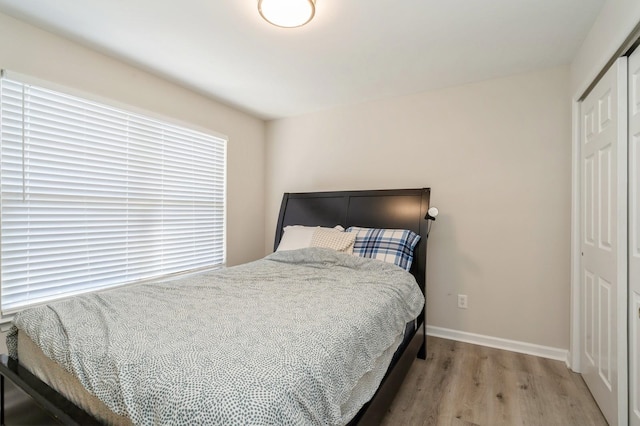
pixel 498 159
pixel 612 26
pixel 29 50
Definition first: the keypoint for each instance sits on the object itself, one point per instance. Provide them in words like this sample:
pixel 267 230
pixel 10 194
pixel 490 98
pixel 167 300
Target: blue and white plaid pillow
pixel 389 245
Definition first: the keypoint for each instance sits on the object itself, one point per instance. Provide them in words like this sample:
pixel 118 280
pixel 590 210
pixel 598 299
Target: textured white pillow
pixel 298 236
pixel 334 239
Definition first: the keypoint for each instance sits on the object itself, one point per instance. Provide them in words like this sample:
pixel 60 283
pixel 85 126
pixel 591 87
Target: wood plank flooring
pixel 459 384
pixel 462 384
pixel 21 410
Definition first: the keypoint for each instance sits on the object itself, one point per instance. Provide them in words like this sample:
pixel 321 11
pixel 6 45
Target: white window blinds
pixel 93 196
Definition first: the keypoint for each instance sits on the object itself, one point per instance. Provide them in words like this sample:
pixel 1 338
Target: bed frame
pixel 396 209
pixel 401 209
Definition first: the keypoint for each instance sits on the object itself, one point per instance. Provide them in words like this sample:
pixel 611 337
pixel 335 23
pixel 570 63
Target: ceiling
pixel 353 51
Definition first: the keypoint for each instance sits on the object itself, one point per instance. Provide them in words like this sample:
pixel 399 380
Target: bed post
pixel 422 353
pixel 422 272
pixel 279 226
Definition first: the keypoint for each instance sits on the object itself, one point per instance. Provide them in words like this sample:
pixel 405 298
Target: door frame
pixel 626 47
pixel 633 222
pixel 573 360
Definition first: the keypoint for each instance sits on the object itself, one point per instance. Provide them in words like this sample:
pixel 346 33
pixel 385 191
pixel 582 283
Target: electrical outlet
pixel 462 301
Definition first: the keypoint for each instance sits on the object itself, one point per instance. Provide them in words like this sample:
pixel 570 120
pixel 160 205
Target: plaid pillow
pixel 389 245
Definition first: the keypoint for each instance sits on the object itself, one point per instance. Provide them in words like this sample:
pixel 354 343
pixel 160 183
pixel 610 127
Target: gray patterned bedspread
pixel 282 340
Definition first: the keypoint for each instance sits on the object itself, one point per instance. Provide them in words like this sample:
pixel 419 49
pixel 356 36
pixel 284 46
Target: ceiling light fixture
pixel 287 13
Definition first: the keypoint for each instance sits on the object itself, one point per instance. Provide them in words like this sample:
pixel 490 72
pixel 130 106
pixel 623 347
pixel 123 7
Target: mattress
pixel 32 358
pixel 301 337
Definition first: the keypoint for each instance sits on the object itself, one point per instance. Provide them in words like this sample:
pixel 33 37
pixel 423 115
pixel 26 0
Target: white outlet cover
pixel 462 301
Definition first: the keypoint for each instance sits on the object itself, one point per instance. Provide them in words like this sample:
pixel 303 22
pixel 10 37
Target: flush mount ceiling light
pixel 287 13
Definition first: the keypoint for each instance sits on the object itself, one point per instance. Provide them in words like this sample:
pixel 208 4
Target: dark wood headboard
pixel 389 208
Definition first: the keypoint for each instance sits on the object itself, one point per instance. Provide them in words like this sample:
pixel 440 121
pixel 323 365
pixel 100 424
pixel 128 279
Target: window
pixel 93 196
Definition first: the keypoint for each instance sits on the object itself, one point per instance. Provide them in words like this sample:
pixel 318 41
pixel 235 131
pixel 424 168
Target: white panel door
pixel 604 243
pixel 634 238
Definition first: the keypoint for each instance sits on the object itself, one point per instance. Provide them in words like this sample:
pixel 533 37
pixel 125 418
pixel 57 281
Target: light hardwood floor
pixel 20 409
pixel 464 384
pixel 459 384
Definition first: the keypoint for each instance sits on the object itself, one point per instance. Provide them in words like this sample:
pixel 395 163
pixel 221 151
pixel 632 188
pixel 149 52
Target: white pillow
pixel 334 239
pixel 298 236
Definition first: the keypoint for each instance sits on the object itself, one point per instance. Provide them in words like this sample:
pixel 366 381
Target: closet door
pixel 634 238
pixel 603 269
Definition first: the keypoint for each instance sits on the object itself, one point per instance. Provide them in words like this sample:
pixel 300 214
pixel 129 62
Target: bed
pixel 393 209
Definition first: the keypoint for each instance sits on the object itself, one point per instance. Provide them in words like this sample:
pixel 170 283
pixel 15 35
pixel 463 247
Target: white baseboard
pixel 499 343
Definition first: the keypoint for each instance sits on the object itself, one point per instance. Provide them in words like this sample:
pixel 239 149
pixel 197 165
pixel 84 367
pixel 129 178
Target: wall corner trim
pixel 499 343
